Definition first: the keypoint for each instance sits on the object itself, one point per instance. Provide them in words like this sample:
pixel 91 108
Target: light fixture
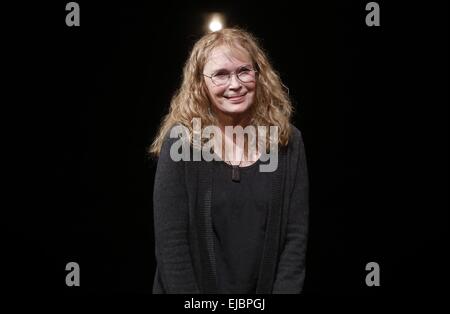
pixel 215 22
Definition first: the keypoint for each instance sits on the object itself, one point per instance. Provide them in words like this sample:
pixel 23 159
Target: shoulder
pixel 173 134
pixel 169 139
pixel 296 147
pixel 296 156
pixel 296 134
pixel 295 138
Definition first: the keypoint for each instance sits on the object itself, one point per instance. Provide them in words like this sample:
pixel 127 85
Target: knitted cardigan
pixel 184 239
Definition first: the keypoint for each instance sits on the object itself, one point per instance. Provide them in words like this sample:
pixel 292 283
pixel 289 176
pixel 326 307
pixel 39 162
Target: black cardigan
pixel 184 243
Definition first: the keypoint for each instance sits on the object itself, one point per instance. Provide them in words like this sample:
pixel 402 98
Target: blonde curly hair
pixel 271 107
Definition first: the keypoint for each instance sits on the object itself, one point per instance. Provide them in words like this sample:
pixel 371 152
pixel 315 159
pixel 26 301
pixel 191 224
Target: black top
pixel 184 235
pixel 239 213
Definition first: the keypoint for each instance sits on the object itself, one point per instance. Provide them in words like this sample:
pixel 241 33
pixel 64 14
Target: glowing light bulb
pixel 215 25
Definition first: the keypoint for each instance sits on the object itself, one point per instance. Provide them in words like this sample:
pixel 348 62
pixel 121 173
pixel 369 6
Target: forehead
pixel 223 57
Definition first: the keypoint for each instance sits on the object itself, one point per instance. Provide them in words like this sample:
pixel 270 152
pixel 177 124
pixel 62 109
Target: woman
pixel 225 226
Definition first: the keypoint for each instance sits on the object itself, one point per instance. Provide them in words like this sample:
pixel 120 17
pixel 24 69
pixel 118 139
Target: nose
pixel 234 81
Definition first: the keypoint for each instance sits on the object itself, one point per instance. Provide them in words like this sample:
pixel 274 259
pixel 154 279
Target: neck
pixel 241 119
pixel 233 120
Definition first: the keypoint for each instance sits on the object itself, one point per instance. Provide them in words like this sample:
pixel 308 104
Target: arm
pixel 290 274
pixel 171 218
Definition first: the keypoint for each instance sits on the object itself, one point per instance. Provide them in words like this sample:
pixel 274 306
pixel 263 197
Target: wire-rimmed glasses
pixel 245 74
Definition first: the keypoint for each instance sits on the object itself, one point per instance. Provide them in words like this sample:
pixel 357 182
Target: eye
pixel 221 73
pixel 245 69
pixel 221 77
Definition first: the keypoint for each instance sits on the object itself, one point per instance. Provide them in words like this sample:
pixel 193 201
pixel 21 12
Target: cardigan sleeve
pixel 171 219
pixel 290 273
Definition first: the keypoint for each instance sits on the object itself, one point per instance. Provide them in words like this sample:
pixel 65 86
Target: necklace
pixel 235 174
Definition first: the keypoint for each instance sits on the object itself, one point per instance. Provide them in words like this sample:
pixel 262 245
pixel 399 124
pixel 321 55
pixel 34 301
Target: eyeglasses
pixel 245 74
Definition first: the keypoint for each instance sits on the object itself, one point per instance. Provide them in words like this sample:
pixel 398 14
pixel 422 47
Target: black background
pixel 371 102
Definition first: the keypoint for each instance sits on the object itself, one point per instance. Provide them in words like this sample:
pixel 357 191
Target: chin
pixel 228 107
pixel 235 109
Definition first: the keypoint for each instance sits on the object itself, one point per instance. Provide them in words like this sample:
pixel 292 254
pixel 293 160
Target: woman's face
pixel 235 97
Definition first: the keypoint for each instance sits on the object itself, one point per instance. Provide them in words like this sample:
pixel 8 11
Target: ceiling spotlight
pixel 215 22
pixel 215 25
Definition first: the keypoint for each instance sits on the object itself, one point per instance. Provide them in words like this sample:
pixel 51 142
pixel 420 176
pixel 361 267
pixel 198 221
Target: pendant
pixel 235 177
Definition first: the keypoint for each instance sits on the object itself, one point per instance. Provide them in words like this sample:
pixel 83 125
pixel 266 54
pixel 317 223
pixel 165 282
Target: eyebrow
pixel 224 69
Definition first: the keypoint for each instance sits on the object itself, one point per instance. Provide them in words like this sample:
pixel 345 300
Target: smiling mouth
pixel 236 97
